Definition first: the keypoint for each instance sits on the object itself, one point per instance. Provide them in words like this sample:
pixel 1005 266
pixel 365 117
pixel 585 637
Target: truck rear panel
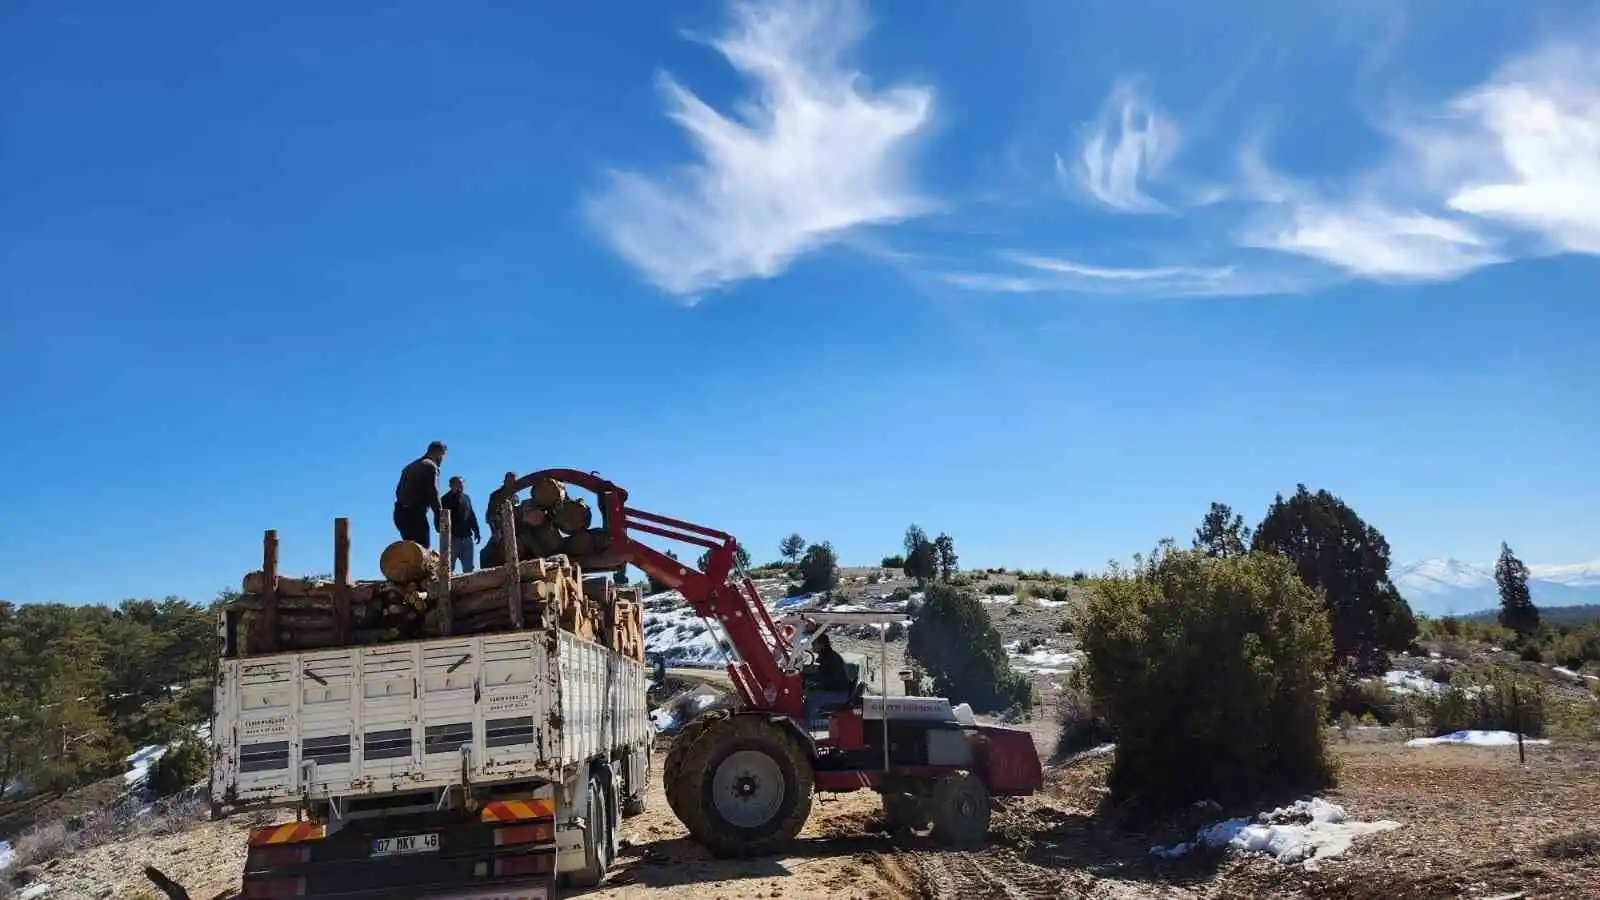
pixel 396 717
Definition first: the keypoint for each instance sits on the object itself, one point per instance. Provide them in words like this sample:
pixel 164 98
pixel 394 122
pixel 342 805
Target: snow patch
pixel 1402 681
pixel 1475 739
pixel 1563 670
pixel 1306 832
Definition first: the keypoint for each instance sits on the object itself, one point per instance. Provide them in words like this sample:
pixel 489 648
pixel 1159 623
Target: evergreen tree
pixel 741 558
pixel 1222 534
pixel 1334 551
pixel 1517 611
pixel 922 558
pixel 944 547
pixel 791 547
pixel 954 641
pixel 819 568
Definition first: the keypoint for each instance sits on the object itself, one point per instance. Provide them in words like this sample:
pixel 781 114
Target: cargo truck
pixel 481 766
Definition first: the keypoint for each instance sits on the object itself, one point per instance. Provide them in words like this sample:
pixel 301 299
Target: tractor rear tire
pixel 960 811
pixel 905 811
pixel 672 769
pixel 744 787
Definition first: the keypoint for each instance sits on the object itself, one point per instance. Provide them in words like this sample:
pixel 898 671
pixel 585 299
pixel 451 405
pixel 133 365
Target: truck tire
pixel 746 787
pixel 596 839
pixel 960 811
pixel 672 769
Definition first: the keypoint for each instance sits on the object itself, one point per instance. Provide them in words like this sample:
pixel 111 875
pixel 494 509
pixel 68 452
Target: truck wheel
pixel 595 839
pixel 746 787
pixel 672 769
pixel 960 811
pixel 905 811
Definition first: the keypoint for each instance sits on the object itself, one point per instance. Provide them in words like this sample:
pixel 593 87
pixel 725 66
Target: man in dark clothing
pixel 505 493
pixel 418 492
pixel 463 523
pixel 833 683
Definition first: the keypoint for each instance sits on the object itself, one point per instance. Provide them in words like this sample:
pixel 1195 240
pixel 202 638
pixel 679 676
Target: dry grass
pixel 43 844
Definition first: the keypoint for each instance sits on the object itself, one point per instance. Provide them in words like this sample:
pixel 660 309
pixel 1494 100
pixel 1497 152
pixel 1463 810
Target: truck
pixel 486 766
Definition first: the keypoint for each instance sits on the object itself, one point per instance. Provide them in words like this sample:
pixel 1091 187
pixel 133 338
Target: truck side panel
pixel 380 719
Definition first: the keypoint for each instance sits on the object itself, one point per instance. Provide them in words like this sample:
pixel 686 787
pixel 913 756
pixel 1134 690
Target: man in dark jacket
pixel 418 492
pixel 463 523
pixel 833 684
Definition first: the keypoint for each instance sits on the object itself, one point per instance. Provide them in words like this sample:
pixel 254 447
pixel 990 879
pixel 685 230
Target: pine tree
pixel 819 568
pixel 1517 611
pixel 944 547
pixel 1222 533
pixel 922 558
pixel 791 547
pixel 1348 560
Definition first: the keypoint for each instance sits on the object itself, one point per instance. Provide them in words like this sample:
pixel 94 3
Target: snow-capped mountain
pixel 1449 586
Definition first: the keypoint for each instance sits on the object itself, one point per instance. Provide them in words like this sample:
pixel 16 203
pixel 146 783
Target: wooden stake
pixel 441 587
pixel 341 578
pixel 269 583
pixel 512 566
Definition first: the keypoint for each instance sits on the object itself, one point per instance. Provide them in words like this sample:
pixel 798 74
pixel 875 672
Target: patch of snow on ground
pixel 1042 660
pixel 1474 739
pixel 1284 834
pixel 1402 681
pixel 670 716
pixel 1563 670
pixel 35 891
pixel 7 855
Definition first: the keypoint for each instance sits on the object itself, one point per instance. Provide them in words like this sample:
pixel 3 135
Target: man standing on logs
pixel 464 533
pixel 418 492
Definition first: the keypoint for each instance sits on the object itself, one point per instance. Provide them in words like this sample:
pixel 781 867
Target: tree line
pixel 81 687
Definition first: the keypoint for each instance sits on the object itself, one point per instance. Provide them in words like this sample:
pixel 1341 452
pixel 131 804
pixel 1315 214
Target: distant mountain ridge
pixel 1440 587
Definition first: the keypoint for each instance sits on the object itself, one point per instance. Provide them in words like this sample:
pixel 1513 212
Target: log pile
pixel 418 598
pixel 550 522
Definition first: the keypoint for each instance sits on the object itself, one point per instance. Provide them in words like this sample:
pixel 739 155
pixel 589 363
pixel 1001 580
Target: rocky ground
pixel 1473 823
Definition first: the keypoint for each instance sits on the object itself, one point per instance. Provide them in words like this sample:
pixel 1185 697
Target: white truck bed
pixel 396 717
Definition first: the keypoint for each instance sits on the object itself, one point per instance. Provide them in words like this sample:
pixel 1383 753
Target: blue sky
pixel 1048 276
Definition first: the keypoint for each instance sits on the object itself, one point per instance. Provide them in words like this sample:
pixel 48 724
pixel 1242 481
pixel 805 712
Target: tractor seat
pixel 856 693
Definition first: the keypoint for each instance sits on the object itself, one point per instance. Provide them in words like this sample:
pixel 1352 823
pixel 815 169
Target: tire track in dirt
pixel 997 872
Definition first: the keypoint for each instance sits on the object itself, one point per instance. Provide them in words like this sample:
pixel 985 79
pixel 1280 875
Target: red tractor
pixel 742 780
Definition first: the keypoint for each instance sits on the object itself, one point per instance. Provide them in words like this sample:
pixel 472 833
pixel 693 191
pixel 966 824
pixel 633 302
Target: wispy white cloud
pixel 814 155
pixel 1125 149
pixel 1030 273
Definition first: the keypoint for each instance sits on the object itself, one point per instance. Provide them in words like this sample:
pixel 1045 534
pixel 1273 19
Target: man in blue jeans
pixel 464 534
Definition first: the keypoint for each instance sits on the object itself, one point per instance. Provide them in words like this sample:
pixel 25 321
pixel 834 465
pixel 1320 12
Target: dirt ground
pixel 1474 823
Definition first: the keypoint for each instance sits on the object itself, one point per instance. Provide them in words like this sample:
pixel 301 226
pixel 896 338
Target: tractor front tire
pixel 960 811
pixel 744 787
pixel 672 769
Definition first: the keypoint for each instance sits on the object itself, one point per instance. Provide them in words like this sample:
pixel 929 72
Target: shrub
pixel 1350 695
pixel 1000 589
pixel 819 568
pixel 894 631
pixel 1485 702
pixel 953 641
pixel 1531 652
pixel 1083 722
pixel 893 562
pixel 1210 671
pixel 181 767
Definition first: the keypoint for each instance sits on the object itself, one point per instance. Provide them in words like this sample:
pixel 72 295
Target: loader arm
pixel 758 644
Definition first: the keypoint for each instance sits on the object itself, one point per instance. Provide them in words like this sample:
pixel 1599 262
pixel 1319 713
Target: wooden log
pixel 513 565
pixel 572 516
pixel 548 492
pixel 532 514
pixel 580 544
pixel 441 585
pixel 341 576
pixel 407 562
pixel 269 584
pixel 547 539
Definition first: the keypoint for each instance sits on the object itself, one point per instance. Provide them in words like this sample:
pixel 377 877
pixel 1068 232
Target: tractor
pixel 742 780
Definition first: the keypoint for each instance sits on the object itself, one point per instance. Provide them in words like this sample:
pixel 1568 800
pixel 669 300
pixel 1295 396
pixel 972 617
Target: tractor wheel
pixel 745 787
pixel 960 811
pixel 905 811
pixel 671 770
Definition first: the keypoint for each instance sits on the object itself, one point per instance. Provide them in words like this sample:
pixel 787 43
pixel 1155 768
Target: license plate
pixel 402 845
